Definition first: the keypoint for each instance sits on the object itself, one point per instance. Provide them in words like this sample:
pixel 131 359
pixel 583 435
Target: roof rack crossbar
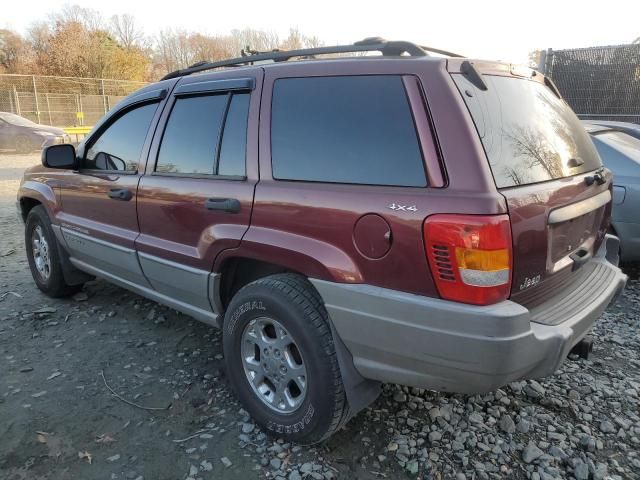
pixel 388 48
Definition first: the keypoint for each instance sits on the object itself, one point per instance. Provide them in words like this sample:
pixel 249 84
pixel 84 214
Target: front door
pixel 196 197
pixel 98 219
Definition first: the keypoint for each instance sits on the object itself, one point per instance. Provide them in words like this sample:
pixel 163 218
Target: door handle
pixel 229 205
pixel 120 194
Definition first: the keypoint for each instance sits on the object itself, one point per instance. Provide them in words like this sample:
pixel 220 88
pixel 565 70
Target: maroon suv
pixel 425 220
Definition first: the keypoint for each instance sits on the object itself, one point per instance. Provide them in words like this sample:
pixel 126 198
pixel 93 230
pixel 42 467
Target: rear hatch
pixel 548 170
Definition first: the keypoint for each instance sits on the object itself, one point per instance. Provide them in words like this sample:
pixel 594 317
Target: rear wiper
pixel 473 75
pixel 575 162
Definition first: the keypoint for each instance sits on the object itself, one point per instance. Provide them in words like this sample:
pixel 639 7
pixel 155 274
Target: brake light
pixel 470 256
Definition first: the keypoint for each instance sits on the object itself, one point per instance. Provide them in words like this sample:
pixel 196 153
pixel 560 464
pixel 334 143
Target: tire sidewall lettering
pixel 248 306
pixel 295 427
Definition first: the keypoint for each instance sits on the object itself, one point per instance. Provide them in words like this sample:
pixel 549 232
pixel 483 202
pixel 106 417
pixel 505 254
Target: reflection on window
pixel 192 140
pixel 119 147
pixel 191 136
pixel 528 133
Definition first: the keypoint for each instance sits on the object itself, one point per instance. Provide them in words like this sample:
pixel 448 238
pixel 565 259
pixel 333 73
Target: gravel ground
pixel 108 385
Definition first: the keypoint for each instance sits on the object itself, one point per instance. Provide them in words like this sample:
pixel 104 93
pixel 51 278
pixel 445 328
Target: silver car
pixel 620 152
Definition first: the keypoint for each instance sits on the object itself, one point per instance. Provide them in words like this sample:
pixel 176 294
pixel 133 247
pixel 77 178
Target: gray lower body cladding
pixel 188 290
pixel 430 343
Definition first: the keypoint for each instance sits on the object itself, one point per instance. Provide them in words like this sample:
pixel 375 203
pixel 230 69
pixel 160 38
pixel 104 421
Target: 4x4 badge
pixel 404 208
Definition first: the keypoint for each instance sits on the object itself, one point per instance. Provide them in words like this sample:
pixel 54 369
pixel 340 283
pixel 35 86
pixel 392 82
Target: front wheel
pixel 43 255
pixel 281 359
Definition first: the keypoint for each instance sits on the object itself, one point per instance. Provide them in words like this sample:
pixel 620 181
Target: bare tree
pixel 126 32
pixel 178 49
pixel 89 18
pixel 248 38
pixel 297 40
pixel 172 50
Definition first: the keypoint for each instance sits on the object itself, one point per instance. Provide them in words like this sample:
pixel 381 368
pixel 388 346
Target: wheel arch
pixel 237 271
pixel 31 194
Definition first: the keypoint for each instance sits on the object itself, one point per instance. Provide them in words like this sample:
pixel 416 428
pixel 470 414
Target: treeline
pixel 80 42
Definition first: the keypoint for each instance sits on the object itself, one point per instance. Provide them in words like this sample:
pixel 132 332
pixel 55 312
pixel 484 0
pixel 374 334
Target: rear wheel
pixel 281 359
pixel 43 255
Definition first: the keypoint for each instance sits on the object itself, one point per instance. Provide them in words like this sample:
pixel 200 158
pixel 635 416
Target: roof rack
pixel 371 44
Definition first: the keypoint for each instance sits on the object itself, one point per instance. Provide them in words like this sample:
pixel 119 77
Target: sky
pixel 489 29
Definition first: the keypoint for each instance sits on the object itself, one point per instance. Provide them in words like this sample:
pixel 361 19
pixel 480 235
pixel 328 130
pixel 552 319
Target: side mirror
pixel 59 156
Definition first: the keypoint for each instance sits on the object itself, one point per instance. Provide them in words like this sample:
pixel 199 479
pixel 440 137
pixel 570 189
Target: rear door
pixel 98 218
pixel 547 168
pixel 197 195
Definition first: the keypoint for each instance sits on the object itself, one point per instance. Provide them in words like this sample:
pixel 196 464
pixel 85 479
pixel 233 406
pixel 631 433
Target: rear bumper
pixel 430 343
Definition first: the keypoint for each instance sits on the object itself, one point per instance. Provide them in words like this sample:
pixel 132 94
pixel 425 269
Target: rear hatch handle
pixel 580 257
pixel 598 177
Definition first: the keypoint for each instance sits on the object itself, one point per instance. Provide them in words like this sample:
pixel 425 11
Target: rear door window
pixel 345 129
pixel 205 135
pixel 528 133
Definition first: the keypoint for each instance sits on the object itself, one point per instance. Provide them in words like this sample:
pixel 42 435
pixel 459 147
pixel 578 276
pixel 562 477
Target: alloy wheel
pixel 40 249
pixel 273 365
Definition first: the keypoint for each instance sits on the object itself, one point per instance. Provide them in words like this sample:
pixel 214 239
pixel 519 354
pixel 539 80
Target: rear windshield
pixel 529 134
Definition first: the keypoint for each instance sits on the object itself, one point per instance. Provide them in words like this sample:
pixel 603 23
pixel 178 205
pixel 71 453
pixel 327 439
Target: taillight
pixel 470 256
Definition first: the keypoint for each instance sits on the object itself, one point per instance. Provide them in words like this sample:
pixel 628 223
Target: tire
pixel 292 303
pixel 47 273
pixel 23 144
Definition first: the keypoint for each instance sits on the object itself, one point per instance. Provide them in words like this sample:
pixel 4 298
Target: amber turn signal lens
pixel 485 260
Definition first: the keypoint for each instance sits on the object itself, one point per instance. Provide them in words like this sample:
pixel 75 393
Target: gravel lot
pixel 64 361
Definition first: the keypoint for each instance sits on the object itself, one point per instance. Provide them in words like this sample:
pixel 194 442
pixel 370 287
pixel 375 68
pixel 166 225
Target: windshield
pixel 529 134
pixel 620 141
pixel 16 120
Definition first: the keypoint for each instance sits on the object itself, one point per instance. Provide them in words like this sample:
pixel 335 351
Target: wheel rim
pixel 40 248
pixel 274 365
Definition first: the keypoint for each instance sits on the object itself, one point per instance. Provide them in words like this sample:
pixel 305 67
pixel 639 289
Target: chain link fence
pixel 600 83
pixel 61 101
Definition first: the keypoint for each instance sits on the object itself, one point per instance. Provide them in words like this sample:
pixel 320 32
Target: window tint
pixel 528 134
pixel 355 129
pixel 120 145
pixel 234 138
pixel 191 136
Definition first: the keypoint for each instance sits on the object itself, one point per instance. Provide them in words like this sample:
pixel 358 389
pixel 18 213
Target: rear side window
pixel 351 129
pixel 119 147
pixel 195 142
pixel 528 133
